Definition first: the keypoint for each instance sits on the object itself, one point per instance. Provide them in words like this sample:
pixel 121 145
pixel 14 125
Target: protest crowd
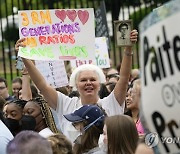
pixel 97 112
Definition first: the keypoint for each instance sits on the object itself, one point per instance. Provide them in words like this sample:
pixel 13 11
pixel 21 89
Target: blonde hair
pixel 137 85
pixel 84 67
pixel 60 144
pixel 46 112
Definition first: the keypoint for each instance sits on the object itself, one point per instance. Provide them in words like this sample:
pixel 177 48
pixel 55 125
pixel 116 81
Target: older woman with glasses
pixel 132 104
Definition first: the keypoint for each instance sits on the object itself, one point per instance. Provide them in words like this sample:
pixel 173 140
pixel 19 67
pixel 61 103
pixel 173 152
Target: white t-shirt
pixel 46 132
pixel 5 137
pixel 67 105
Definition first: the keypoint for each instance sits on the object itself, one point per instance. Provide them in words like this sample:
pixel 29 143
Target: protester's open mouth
pixel 89 89
pixel 128 103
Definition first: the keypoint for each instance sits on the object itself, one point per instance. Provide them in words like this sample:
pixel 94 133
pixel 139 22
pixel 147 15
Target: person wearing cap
pixel 89 122
pixel 86 79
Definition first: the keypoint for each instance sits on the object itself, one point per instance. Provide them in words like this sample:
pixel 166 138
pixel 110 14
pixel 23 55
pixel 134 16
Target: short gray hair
pixel 84 67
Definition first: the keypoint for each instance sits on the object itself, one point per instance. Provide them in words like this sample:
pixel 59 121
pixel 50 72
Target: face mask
pixel 28 122
pixel 74 134
pixel 78 137
pixel 79 133
pixel 95 122
pixel 40 121
pixel 12 124
pixel 104 147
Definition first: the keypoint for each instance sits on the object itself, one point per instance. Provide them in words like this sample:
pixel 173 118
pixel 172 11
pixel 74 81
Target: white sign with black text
pixel 160 72
pixel 54 72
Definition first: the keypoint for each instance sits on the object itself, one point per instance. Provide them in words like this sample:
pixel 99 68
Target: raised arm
pixel 125 70
pixel 46 90
pixel 26 89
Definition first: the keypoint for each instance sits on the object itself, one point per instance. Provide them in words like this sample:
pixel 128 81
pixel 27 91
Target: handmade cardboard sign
pixel 101 55
pixel 57 34
pixel 54 72
pixel 160 72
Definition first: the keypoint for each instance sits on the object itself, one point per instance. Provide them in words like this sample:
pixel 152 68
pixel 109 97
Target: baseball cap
pixel 91 113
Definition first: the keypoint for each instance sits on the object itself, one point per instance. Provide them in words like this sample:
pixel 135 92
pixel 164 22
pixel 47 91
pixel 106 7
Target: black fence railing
pixel 116 10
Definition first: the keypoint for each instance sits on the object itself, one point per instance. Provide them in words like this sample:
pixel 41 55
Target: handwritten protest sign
pixel 54 72
pixel 101 55
pixel 57 34
pixel 160 52
pixel 101 52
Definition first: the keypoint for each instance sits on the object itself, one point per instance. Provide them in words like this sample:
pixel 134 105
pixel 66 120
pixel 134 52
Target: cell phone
pixel 19 63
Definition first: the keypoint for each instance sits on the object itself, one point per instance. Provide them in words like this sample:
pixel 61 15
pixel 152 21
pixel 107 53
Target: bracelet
pixel 128 54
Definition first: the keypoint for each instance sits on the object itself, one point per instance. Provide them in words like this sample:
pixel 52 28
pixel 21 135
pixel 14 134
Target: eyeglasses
pixel 17 89
pixel 115 75
pixel 1 88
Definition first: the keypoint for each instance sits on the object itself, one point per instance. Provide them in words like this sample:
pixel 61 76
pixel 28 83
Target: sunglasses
pixel 116 75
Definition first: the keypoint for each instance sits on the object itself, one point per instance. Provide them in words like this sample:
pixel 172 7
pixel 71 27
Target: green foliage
pixel 121 3
pixel 7 8
pixel 139 15
pixel 11 33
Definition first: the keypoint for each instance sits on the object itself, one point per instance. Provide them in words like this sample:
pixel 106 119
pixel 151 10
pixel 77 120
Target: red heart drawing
pixel 83 16
pixel 71 14
pixel 61 14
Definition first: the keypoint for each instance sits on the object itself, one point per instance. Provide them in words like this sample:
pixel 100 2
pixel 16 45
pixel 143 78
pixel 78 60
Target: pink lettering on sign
pixel 71 14
pixel 80 62
pixel 67 57
pixel 57 39
pixel 61 14
pixel 83 16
